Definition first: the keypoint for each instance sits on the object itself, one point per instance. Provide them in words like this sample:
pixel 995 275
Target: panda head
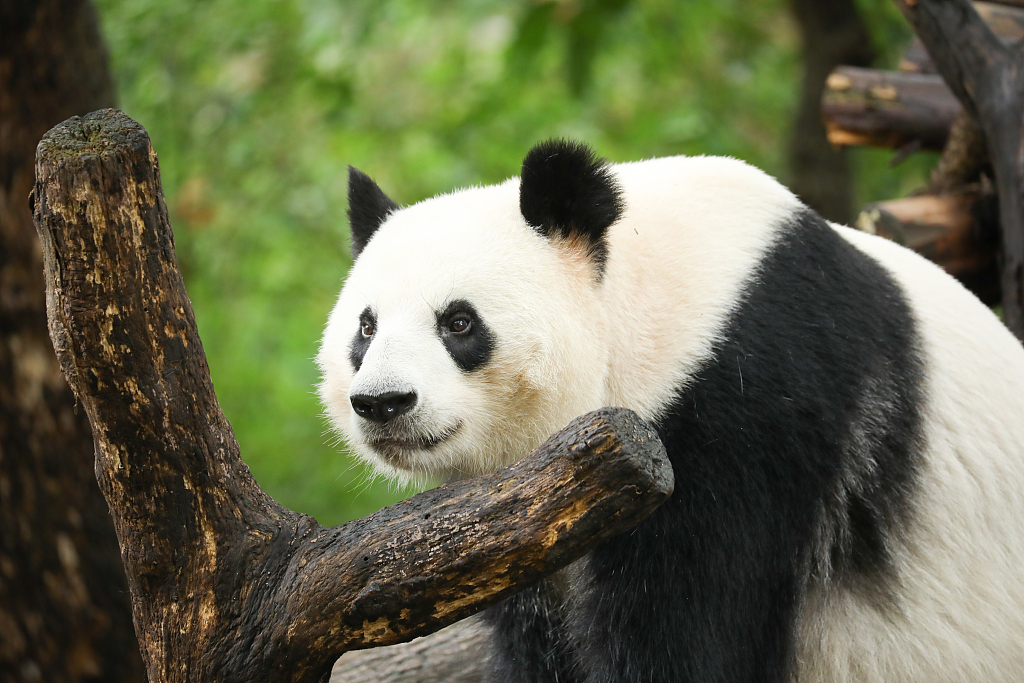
pixel 470 328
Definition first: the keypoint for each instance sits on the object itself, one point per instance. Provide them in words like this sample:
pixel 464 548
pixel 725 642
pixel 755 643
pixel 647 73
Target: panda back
pixel 693 232
pixel 958 608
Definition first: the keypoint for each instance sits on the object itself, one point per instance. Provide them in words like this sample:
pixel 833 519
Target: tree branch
pixel 226 584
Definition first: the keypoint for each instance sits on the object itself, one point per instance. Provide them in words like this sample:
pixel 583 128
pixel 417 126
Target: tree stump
pixel 226 584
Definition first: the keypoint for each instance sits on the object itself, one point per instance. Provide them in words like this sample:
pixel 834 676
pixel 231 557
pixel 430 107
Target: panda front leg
pixel 661 604
pixel 529 640
pixel 706 589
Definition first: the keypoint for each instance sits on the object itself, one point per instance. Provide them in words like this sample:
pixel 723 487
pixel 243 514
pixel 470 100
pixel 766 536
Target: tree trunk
pixel 832 34
pixel 988 79
pixel 227 585
pixel 64 610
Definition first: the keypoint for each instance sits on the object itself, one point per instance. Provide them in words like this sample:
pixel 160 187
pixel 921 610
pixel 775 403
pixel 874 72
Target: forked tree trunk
pixel 64 611
pixel 226 585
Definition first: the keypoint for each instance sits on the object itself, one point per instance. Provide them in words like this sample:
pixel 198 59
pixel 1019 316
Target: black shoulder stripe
pixel 795 452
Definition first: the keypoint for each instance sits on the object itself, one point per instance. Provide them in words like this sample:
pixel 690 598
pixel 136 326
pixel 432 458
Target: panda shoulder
pixel 711 179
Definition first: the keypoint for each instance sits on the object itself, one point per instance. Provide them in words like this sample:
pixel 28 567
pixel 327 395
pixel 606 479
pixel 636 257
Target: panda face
pixel 462 338
pixel 470 327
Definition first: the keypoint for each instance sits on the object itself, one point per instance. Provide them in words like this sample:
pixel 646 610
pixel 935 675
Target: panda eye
pixel 366 328
pixel 460 324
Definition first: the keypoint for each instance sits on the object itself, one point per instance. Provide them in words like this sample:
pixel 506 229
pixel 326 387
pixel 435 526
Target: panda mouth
pixel 395 449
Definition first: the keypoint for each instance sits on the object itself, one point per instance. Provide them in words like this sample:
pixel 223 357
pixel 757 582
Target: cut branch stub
pixel 887 108
pixel 226 584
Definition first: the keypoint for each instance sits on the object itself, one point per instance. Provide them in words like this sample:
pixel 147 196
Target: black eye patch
pixel 468 340
pixel 361 342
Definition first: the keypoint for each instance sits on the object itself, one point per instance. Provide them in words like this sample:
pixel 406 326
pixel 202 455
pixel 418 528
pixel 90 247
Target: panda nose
pixel 383 407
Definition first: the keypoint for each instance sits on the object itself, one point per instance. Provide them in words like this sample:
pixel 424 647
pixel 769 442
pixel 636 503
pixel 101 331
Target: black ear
pixel 567 191
pixel 368 206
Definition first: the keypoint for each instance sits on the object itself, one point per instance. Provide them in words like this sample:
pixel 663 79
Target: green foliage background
pixel 255 108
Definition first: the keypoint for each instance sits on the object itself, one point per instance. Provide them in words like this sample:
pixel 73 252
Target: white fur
pixel 451 247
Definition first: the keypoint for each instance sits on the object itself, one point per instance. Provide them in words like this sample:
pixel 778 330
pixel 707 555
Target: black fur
pixel 531 623
pixel 566 191
pixel 368 206
pixel 794 451
pixel 360 344
pixel 471 349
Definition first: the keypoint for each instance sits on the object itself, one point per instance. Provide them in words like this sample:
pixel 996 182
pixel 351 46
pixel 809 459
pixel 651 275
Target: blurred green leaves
pixel 256 107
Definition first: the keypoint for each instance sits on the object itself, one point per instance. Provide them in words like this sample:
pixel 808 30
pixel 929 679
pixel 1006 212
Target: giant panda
pixel 844 420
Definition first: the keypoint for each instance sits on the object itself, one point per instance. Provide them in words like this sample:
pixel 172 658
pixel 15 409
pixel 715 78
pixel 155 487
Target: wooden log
pixel 916 60
pixel 1005 19
pixel 227 585
pixel 958 232
pixel 909 108
pixel 887 108
pixel 987 76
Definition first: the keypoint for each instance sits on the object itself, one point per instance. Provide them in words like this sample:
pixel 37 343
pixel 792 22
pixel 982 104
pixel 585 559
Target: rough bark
pixel 832 34
pixel 64 610
pixel 964 158
pixel 226 585
pixel 887 108
pixel 456 654
pixel 1005 18
pixel 987 77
